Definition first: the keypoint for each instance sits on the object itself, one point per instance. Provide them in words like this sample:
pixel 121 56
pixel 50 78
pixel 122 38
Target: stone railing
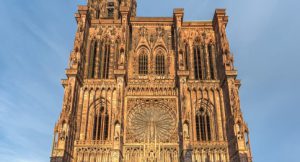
pixel 209 144
pixel 91 142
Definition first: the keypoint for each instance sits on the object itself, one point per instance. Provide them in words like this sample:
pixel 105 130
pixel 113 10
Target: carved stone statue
pixel 78 57
pixel 223 32
pixel 186 131
pixel 133 11
pixel 121 61
pixel 117 131
pixel 224 40
pixel 160 31
pixel 180 60
pixel 238 130
pixel 228 60
pixel 64 131
pixel 73 60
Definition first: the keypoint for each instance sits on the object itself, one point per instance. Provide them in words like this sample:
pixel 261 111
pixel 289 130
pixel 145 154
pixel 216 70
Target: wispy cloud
pixel 36 39
pixel 32 62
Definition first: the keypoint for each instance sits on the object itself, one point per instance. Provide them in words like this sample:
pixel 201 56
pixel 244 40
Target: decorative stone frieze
pixel 149 89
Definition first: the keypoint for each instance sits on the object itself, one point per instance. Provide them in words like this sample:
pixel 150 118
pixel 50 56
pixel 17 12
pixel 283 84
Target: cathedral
pixel 149 89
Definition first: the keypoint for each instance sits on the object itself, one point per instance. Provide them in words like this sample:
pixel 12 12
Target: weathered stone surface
pixel 149 89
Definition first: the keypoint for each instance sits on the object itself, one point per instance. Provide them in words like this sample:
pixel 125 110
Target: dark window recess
pixel 101 123
pixel 92 63
pixel 97 14
pixel 197 63
pixel 110 9
pixel 203 126
pixel 143 64
pixel 160 64
pixel 187 57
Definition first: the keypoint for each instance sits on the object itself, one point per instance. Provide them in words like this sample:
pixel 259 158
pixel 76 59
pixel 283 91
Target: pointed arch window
pixel 97 14
pixel 160 64
pixel 143 63
pixel 203 125
pixel 187 57
pixel 93 55
pixel 101 123
pixel 99 60
pixel 198 63
pixel 104 70
pixel 110 9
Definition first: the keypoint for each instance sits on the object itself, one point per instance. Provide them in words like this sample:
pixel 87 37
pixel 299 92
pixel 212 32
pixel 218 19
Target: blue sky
pixel 36 37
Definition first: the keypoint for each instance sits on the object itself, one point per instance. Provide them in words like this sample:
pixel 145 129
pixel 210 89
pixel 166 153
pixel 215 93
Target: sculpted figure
pixel 75 58
pixel 64 131
pixel 224 39
pixel 186 131
pixel 78 57
pixel 180 59
pixel 122 58
pixel 223 30
pixel 238 130
pixel 230 61
pixel 117 131
pixel 72 60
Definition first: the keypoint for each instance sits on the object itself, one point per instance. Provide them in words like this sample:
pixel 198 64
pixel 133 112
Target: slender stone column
pixel 218 115
pixel 206 57
pixel 79 112
pixel 191 59
pixel 84 114
pixel 87 59
pixel 97 60
pixel 213 55
pixel 222 104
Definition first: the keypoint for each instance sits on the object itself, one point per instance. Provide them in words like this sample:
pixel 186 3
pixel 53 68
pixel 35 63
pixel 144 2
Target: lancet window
pixel 104 65
pixel 203 125
pixel 97 14
pixel 199 67
pixel 99 60
pixel 186 57
pixel 143 63
pixel 204 61
pixel 92 61
pixel 160 64
pixel 101 123
pixel 110 8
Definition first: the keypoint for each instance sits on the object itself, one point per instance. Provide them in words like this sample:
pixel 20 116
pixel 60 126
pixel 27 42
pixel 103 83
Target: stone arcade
pixel 149 89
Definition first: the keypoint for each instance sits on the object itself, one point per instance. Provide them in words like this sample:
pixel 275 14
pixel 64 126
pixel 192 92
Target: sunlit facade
pixel 149 89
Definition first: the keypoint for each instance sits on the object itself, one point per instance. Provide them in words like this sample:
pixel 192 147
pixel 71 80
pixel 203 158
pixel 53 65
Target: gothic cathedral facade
pixel 149 89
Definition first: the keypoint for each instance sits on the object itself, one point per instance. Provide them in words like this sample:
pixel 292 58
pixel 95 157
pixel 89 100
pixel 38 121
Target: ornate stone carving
pixel 143 32
pixel 160 31
pixel 151 120
pixel 153 116
pixel 235 100
pixel 122 59
pixel 117 131
pixel 186 132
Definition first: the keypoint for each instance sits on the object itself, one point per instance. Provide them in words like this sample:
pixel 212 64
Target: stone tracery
pixel 151 121
pixel 171 104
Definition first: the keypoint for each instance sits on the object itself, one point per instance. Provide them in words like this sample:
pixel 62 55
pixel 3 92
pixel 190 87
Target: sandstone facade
pixel 149 89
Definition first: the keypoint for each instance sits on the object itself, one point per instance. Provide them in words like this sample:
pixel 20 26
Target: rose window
pixel 151 122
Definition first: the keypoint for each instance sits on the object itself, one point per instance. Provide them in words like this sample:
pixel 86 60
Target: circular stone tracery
pixel 150 122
